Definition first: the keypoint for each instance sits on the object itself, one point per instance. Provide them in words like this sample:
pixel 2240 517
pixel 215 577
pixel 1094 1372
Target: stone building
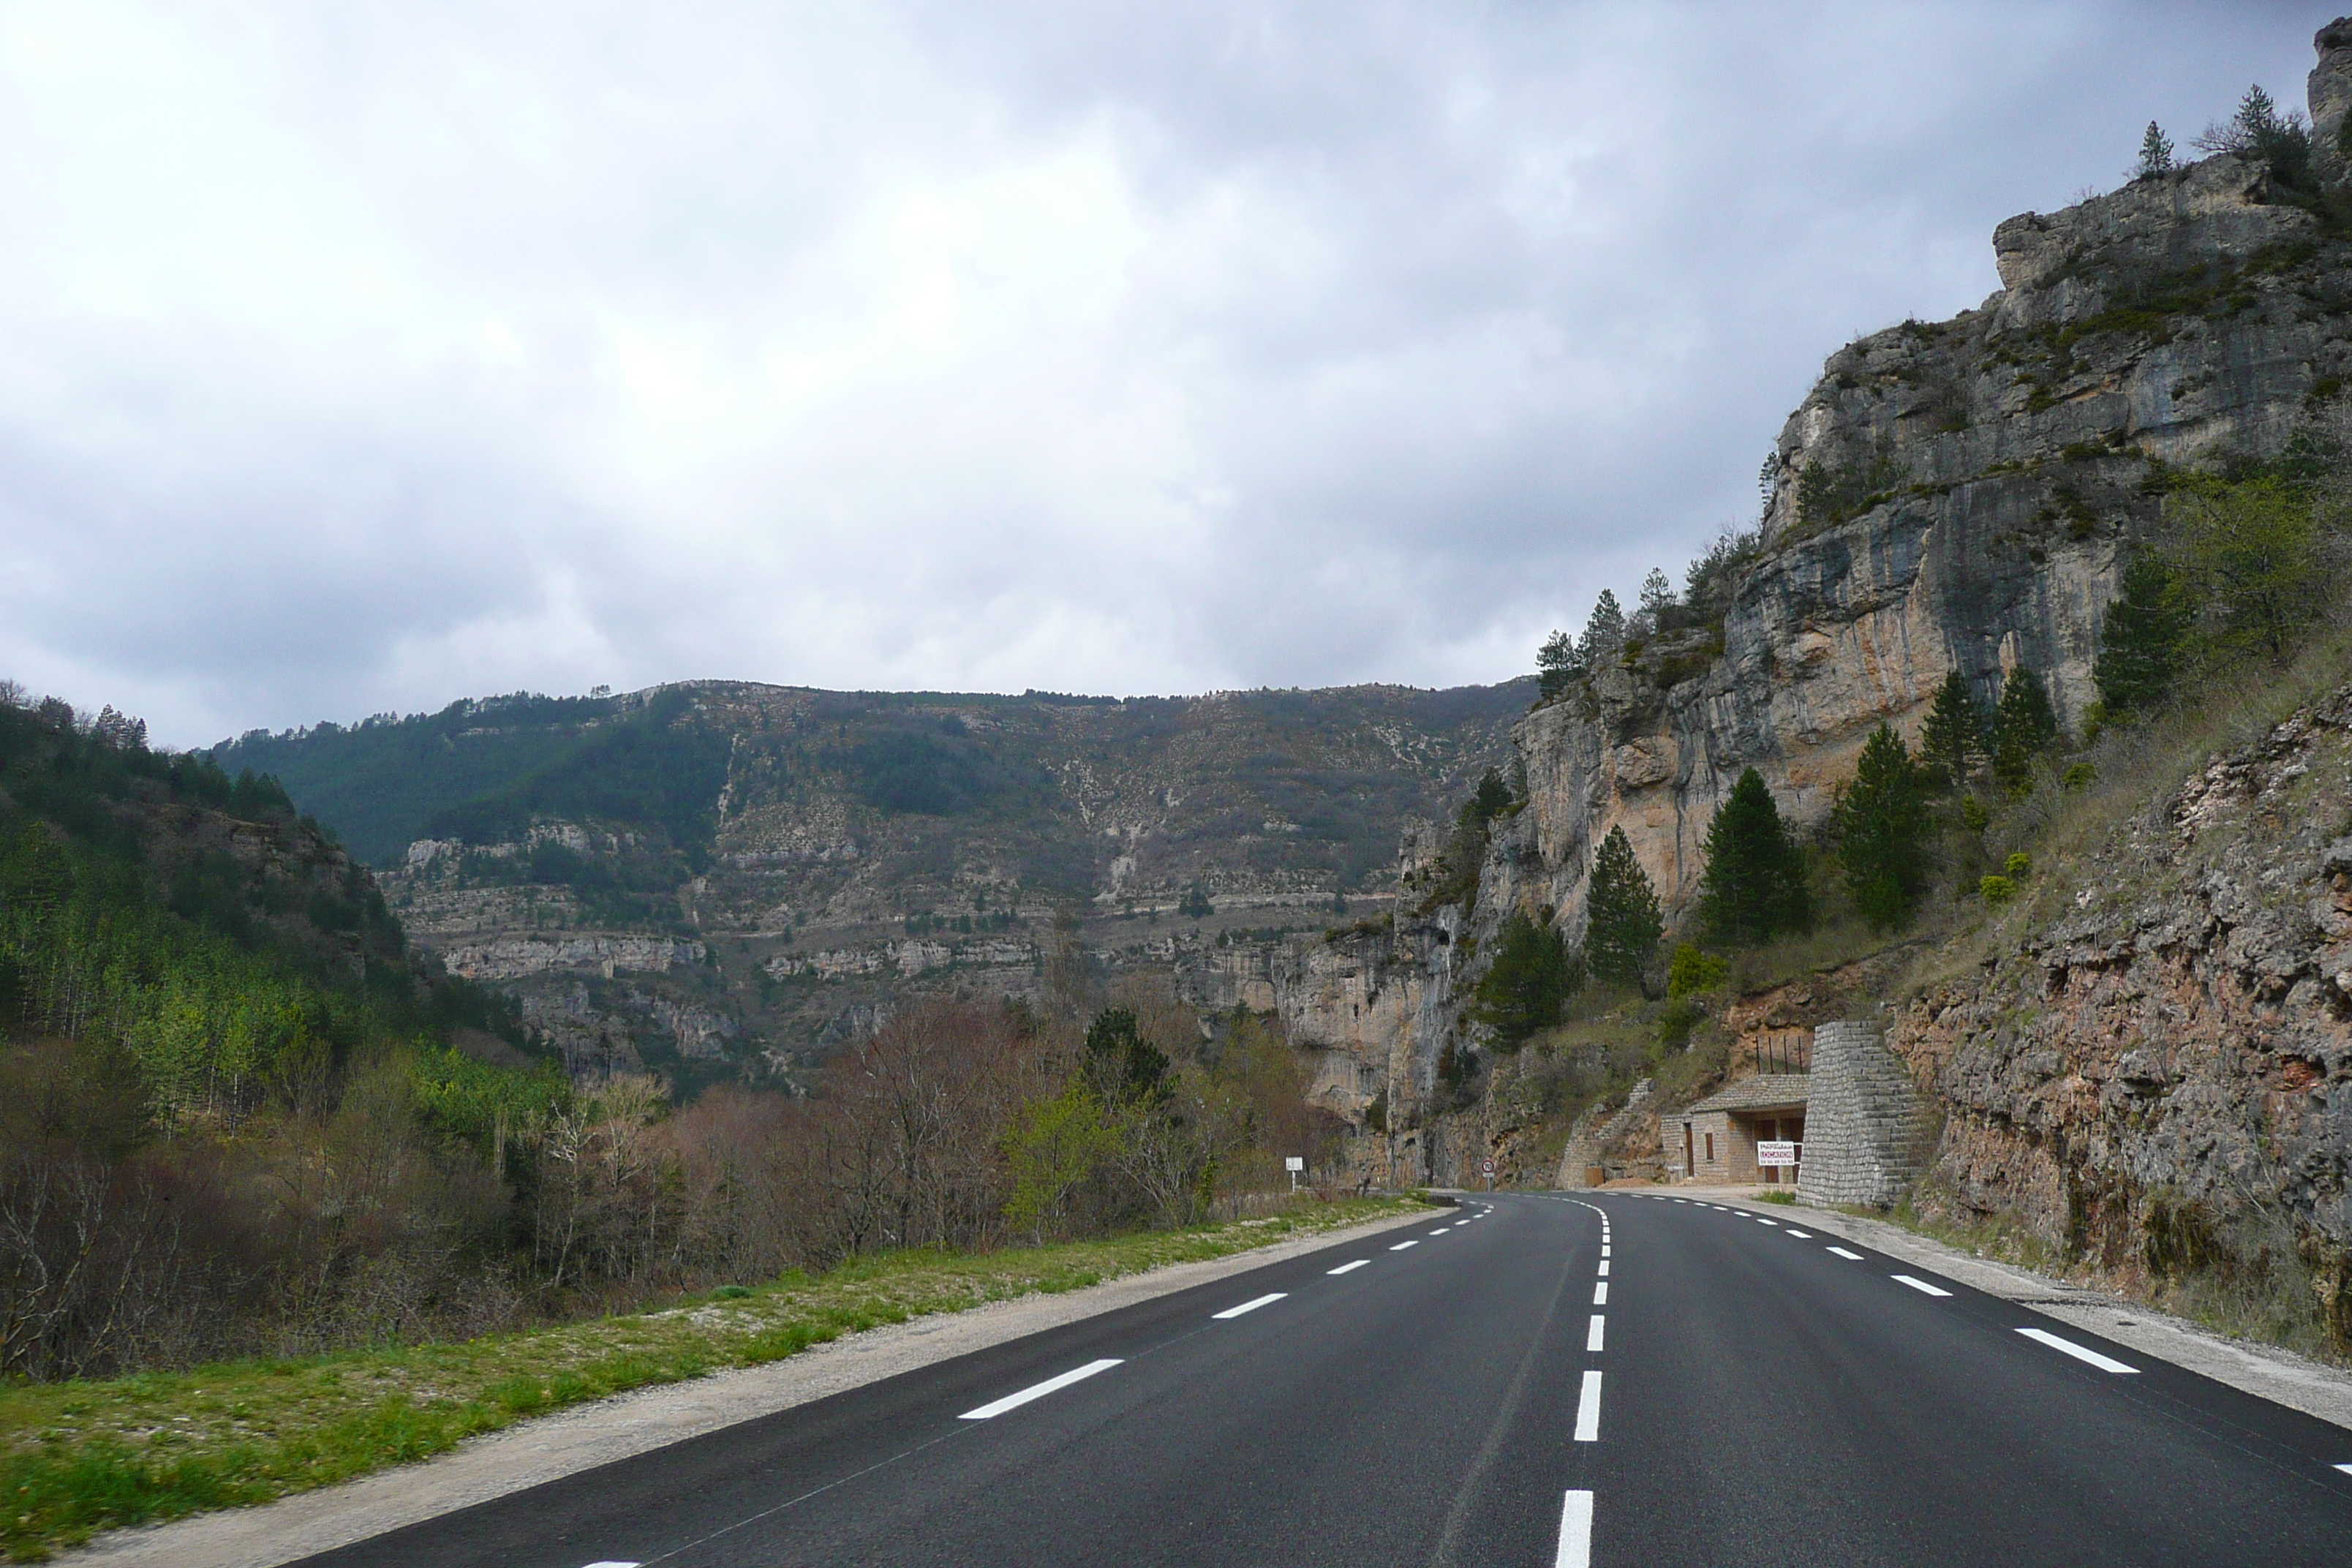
pixel 1714 1141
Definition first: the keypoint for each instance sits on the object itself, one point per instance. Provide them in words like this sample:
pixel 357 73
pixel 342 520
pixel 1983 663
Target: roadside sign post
pixel 1293 1164
pixel 1487 1169
pixel 1775 1154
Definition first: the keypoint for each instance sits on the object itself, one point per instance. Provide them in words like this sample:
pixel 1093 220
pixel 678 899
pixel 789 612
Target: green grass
pixel 79 1457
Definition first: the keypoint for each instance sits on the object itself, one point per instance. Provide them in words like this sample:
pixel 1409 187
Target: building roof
pixel 1765 1090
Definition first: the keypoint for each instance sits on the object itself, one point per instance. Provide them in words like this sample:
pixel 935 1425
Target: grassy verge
pixel 78 1457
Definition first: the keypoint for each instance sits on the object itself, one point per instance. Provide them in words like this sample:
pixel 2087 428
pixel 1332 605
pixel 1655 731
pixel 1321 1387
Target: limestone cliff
pixel 1950 496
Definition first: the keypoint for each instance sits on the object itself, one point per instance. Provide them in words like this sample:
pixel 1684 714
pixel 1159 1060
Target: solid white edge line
pixel 1266 1301
pixel 1037 1391
pixel 1587 1409
pixel 1601 1294
pixel 2080 1352
pixel 1919 1285
pixel 1849 1257
pixel 1575 1532
pixel 1593 1334
pixel 1401 1246
pixel 1348 1268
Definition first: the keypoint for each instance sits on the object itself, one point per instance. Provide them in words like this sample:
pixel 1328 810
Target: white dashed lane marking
pixel 1037 1391
pixel 1601 1294
pixel 1401 1246
pixel 1593 1334
pixel 1576 1532
pixel 1849 1257
pixel 1266 1300
pixel 1919 1285
pixel 2080 1352
pixel 1348 1268
pixel 1588 1410
pixel 1801 1235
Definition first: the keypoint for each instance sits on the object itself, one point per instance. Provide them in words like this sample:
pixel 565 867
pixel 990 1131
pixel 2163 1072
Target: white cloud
pixel 369 357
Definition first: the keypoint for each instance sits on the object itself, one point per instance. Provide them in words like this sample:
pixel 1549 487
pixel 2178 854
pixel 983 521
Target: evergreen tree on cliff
pixel 2023 727
pixel 1604 633
pixel 2140 642
pixel 1754 886
pixel 2155 154
pixel 1532 976
pixel 1881 822
pixel 1556 665
pixel 1953 743
pixel 1623 923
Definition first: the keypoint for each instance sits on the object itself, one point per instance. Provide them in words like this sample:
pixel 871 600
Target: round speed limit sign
pixel 1486 1167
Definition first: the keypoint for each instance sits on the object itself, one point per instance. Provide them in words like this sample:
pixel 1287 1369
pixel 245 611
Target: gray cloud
pixel 364 360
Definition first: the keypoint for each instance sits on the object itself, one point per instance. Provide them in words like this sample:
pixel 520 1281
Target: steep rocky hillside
pixel 724 876
pixel 1950 496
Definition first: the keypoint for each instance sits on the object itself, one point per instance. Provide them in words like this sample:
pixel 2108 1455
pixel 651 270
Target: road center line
pixel 1037 1391
pixel 1604 1249
pixel 1593 1334
pixel 1849 1257
pixel 1588 1410
pixel 1601 1294
pixel 1575 1532
pixel 1604 1269
pixel 1401 1246
pixel 612 1564
pixel 1348 1268
pixel 2080 1352
pixel 1919 1285
pixel 1266 1300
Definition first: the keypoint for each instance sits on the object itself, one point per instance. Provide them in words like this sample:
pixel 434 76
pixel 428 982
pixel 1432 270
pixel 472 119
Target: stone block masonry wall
pixel 1584 1144
pixel 1864 1123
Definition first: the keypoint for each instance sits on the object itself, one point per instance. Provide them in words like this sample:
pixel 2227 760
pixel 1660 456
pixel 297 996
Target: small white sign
pixel 1776 1153
pixel 1294 1162
pixel 1486 1167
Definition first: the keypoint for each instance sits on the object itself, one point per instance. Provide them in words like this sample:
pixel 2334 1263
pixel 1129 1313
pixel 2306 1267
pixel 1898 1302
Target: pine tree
pixel 1556 665
pixel 1881 822
pixel 1754 886
pixel 2155 154
pixel 1953 743
pixel 1604 633
pixel 1523 990
pixel 1658 599
pixel 1621 919
pixel 2140 643
pixel 2023 728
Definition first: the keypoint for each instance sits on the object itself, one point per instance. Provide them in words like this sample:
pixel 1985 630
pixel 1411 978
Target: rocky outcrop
pixel 1950 496
pixel 2164 1060
pixel 513 957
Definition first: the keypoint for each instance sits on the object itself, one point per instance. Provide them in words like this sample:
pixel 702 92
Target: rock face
pixel 1950 496
pixel 2166 1060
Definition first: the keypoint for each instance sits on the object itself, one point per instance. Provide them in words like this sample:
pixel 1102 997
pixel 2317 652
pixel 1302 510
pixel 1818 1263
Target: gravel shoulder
pixel 2280 1376
pixel 585 1436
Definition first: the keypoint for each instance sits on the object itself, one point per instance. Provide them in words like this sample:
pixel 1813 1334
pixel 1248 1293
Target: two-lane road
pixel 1609 1378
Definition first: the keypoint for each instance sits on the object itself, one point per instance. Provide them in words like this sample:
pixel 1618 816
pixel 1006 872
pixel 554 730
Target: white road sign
pixel 1294 1162
pixel 1486 1167
pixel 1776 1153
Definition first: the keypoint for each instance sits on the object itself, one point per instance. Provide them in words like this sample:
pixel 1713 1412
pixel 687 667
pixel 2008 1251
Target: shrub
pixel 2078 778
pixel 1691 972
pixel 1996 890
pixel 2019 866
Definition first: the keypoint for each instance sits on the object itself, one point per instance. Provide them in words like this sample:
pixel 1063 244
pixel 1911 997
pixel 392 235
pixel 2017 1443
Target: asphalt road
pixel 1611 1379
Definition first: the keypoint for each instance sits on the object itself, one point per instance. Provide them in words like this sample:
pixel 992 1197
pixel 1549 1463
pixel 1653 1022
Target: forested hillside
pixel 240 1114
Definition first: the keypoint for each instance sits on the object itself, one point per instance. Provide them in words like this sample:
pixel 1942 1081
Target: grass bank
pixel 79 1457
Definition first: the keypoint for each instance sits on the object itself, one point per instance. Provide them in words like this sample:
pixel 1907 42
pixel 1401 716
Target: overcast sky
pixel 361 357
